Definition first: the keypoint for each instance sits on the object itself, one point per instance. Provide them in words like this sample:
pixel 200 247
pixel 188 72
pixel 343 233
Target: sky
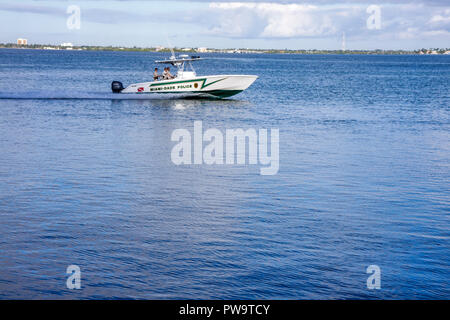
pixel 320 24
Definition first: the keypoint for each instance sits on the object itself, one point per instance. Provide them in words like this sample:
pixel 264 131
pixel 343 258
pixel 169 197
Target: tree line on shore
pixel 212 50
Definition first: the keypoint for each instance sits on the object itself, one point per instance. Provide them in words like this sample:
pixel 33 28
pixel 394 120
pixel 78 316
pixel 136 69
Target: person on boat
pixel 164 74
pixel 169 75
pixel 156 76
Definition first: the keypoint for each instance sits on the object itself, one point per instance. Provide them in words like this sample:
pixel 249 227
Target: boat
pixel 187 83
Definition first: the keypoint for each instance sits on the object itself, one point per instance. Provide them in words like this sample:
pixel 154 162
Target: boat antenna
pixel 170 47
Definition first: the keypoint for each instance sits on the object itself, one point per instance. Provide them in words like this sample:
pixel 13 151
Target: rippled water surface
pixel 86 178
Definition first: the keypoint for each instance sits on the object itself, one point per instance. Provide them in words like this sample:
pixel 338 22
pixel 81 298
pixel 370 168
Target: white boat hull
pixel 220 86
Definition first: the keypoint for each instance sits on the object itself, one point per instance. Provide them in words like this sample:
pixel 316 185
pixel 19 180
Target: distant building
pixel 202 49
pixel 21 41
pixel 66 44
pixel 186 49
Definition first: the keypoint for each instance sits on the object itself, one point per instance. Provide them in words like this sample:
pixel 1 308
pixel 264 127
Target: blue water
pixel 86 178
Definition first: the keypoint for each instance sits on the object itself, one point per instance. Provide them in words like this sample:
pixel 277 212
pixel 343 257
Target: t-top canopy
pixel 181 59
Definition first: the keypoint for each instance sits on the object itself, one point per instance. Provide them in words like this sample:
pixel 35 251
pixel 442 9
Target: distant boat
pixel 186 82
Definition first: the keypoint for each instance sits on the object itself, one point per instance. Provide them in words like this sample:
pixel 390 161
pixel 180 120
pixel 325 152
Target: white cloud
pixel 271 20
pixel 441 19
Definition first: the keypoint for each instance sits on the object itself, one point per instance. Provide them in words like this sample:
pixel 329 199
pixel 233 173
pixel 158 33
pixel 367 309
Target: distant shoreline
pixel 432 51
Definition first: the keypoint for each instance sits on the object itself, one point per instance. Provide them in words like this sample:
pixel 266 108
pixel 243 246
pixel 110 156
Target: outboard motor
pixel 116 86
